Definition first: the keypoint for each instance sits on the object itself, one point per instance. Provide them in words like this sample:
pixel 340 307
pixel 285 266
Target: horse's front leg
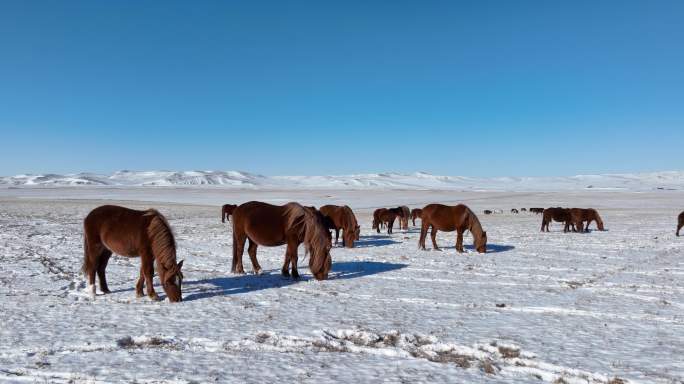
pixel 291 254
pixel 148 270
pixel 141 283
pixel 251 250
pixel 459 241
pixel 433 236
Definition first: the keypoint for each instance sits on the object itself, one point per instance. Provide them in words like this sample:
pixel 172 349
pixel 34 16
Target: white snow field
pixel 601 307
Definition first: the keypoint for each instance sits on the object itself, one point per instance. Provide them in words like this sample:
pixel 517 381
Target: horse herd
pixel 112 229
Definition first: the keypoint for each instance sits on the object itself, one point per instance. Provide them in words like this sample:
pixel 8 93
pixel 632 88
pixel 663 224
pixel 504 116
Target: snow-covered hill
pixel 418 180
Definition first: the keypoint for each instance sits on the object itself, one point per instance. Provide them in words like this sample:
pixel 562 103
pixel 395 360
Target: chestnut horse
pixel 680 222
pixel 226 211
pixel 274 225
pixel 561 215
pixel 415 214
pixel 447 218
pixel 537 210
pixel 110 229
pixel 342 217
pixel 579 215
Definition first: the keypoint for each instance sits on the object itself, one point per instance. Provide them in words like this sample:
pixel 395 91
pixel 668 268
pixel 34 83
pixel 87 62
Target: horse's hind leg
pixel 104 259
pixel 239 240
pixel 252 256
pixel 433 236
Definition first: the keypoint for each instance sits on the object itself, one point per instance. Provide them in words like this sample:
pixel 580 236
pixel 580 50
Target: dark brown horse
pixel 487 212
pixel 110 229
pixel 523 209
pixel 579 215
pixel 226 211
pixel 537 210
pixel 274 225
pixel 386 216
pixel 415 214
pixel 447 218
pixel 561 215
pixel 342 217
pixel 680 222
pixel 514 211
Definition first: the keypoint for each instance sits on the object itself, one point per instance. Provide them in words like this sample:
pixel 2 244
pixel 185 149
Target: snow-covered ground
pixel 549 307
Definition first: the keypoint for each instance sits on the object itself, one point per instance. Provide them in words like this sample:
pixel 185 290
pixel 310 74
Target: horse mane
pixel 474 225
pixel 348 219
pixel 162 241
pixel 312 229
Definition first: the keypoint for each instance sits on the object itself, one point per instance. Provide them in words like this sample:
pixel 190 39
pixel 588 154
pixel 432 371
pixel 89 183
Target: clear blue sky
pixel 478 88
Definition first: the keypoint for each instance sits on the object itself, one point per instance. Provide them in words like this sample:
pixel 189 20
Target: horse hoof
pixel 154 297
pixel 258 271
pixel 139 294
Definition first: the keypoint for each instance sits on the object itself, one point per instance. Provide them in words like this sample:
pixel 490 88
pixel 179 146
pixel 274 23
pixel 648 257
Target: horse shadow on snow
pixel 232 285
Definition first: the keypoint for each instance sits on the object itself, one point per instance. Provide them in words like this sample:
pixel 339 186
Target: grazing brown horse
pixel 514 211
pixel 537 210
pixel 274 225
pixel 447 218
pixel 680 222
pixel 415 214
pixel 342 217
pixel 226 211
pixel 561 215
pixel 110 229
pixel 579 215
pixel 487 212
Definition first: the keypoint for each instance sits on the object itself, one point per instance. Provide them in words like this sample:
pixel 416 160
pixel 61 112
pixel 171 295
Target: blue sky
pixel 477 88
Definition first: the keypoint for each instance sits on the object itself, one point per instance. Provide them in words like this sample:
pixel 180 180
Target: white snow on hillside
pixel 395 181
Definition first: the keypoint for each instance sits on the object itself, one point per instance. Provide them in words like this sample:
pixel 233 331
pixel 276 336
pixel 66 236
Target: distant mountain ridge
pixel 418 180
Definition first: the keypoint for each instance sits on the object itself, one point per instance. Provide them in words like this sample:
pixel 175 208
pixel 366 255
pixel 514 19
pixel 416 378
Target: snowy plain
pixel 602 307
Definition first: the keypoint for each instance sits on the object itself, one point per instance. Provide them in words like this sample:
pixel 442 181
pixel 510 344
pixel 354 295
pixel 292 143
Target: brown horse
pixel 274 225
pixel 561 215
pixel 680 222
pixel 579 215
pixel 404 217
pixel 447 218
pixel 342 217
pixel 523 209
pixel 110 229
pixel 226 211
pixel 383 216
pixel 415 214
pixel 537 210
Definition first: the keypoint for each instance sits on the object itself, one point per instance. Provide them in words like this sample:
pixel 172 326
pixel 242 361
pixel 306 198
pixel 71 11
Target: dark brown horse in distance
pixel 457 218
pixel 680 222
pixel 561 215
pixel 579 215
pixel 523 209
pixel 537 210
pixel 382 216
pixel 342 217
pixel 226 211
pixel 110 229
pixel 514 211
pixel 415 214
pixel 487 212
pixel 274 225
